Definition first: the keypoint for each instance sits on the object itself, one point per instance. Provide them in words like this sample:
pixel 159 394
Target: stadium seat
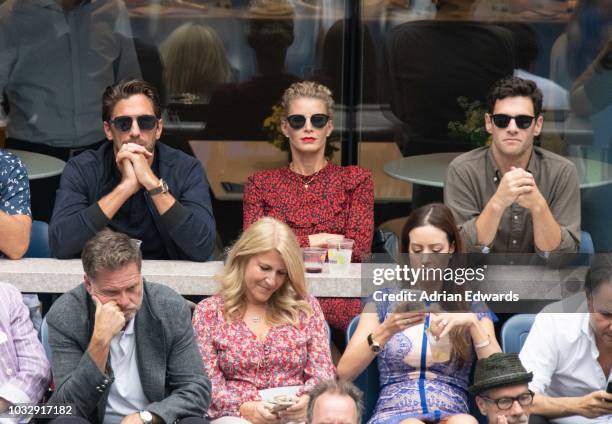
pixel 514 332
pixel 368 380
pixel 586 243
pixel 43 335
pixel 39 241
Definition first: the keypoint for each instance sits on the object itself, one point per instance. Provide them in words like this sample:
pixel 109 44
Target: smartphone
pixel 232 187
pixel 609 389
pixel 281 406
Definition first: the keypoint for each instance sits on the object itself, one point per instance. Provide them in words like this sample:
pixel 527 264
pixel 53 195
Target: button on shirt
pixel 561 352
pixel 54 66
pixel 472 179
pixel 126 395
pixel 24 369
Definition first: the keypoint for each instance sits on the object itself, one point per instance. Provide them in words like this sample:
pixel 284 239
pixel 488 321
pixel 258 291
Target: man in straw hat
pixel 500 388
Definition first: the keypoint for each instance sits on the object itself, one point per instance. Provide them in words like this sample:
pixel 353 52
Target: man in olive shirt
pixel 512 197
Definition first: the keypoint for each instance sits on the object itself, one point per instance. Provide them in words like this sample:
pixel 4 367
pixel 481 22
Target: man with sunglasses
pixel 501 390
pixel 511 196
pixel 134 185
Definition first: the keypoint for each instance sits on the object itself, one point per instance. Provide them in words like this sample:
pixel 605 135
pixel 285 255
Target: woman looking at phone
pixel 318 199
pixel 262 330
pixel 419 385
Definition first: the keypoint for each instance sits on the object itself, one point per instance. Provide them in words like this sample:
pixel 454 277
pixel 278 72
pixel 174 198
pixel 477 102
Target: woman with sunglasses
pixel 318 199
pixel 424 351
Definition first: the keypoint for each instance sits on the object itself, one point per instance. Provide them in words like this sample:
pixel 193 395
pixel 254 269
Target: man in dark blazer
pixel 123 350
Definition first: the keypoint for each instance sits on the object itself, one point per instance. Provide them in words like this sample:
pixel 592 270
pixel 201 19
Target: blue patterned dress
pixel 412 384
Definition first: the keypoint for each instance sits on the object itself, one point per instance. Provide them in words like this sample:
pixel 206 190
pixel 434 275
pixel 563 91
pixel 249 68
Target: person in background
pixel 500 388
pixel 418 386
pixel 195 63
pixel 24 370
pixel 54 63
pixel 570 355
pixel 511 196
pixel 262 330
pixel 15 215
pixel 335 402
pixel 318 199
pixel 123 349
pixel 135 185
pixel 270 40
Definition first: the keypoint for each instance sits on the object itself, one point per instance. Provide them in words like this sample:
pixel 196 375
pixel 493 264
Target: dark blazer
pixel 170 366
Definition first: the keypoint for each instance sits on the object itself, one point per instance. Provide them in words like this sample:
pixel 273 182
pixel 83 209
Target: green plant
pixel 472 130
pixel 272 128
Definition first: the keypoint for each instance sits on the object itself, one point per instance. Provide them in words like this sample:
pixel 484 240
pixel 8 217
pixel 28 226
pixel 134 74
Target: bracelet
pixel 483 344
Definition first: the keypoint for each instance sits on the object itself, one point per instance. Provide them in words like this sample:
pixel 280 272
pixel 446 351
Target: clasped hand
pixel 518 186
pixel 133 163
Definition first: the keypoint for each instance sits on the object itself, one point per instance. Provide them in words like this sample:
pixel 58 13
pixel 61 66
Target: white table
pixel 235 161
pixel 430 170
pixel 39 165
pixel 35 275
pixel 426 171
pixel 30 275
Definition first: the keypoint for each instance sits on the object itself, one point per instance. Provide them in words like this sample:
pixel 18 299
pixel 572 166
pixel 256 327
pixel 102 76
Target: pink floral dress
pixel 239 365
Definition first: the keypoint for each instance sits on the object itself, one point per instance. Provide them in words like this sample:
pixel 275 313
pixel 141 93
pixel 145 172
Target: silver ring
pixel 444 323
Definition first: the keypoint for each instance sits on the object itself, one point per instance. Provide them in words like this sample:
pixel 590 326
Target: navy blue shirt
pixel 185 232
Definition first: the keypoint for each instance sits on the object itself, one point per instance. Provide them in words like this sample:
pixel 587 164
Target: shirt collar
pixel 129 329
pixel 493 172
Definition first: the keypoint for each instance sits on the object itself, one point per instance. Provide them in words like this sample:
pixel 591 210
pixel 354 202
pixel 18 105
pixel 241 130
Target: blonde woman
pixel 194 62
pixel 316 198
pixel 262 330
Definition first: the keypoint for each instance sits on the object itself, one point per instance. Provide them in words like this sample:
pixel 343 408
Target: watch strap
pixel 161 188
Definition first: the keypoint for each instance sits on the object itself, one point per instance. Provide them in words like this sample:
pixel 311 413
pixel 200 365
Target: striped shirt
pixel 24 370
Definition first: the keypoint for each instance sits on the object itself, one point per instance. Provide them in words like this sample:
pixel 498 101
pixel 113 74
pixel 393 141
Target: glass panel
pixel 436 61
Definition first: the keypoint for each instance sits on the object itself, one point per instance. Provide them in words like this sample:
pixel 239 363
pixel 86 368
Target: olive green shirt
pixel 472 179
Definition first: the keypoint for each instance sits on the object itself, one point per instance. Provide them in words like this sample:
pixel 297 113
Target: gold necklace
pixel 310 179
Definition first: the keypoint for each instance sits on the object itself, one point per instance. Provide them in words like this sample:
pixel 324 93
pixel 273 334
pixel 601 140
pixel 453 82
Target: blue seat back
pixel 329 334
pixel 39 241
pixel 43 335
pixel 368 380
pixel 586 243
pixel 514 332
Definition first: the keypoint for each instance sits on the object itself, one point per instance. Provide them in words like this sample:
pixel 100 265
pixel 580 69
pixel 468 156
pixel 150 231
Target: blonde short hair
pixel 307 89
pixel 194 61
pixel 289 301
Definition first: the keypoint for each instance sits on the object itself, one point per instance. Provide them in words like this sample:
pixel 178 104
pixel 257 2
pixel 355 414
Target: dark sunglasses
pixel 318 120
pixel 124 123
pixel 524 399
pixel 502 121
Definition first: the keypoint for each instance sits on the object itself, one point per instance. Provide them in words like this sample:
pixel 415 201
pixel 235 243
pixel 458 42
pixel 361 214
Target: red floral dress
pixel 239 365
pixel 339 200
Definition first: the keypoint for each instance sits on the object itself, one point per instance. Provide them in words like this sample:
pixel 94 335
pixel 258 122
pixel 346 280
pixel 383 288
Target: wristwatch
pixel 162 188
pixel 146 417
pixel 374 345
